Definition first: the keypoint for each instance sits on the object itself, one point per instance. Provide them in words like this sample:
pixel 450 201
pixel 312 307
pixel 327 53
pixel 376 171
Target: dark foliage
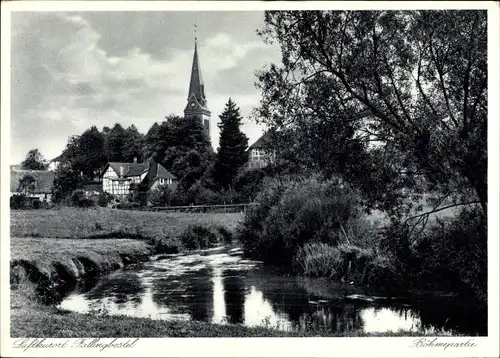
pixel 66 180
pixel 34 161
pixel 105 199
pixel 79 200
pixel 198 237
pixel 232 153
pixel 18 201
pixel 248 184
pixel 292 213
pixel 453 256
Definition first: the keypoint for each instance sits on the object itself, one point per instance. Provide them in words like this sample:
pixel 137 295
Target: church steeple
pixel 197 102
pixel 196 86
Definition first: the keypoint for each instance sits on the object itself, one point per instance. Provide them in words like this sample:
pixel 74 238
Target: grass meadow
pixel 75 223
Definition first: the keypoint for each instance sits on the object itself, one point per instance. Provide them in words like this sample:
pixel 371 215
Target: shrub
pixel 79 200
pixel 248 184
pixel 123 205
pixel 382 274
pixel 343 261
pixel 105 199
pixel 198 237
pixel 36 204
pixel 135 205
pixel 18 201
pixel 292 213
pixel 226 236
pixel 160 196
pixel 319 259
pixel 453 256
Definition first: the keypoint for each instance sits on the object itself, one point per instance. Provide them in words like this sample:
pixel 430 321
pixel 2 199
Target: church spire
pixel 196 101
pixel 196 85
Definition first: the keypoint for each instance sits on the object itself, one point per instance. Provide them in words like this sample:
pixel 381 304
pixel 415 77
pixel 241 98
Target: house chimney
pixel 121 171
pixel 135 160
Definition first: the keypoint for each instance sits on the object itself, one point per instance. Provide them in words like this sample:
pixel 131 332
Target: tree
pixel 160 196
pixel 34 161
pixel 27 184
pixel 115 144
pixel 190 152
pixel 66 180
pixel 133 145
pixel 385 99
pixel 232 153
pixel 90 156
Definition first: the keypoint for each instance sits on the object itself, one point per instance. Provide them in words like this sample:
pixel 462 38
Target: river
pixel 221 286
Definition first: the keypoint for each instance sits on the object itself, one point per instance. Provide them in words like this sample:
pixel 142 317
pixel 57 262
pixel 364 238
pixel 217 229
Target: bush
pixel 319 259
pixel 160 196
pixel 198 237
pixel 135 205
pixel 453 256
pixel 226 236
pixel 36 204
pixel 79 200
pixel 382 274
pixel 105 199
pixel 343 261
pixel 18 201
pixel 248 184
pixel 290 214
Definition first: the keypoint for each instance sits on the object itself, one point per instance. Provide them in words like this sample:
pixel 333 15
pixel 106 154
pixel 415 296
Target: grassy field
pixel 104 222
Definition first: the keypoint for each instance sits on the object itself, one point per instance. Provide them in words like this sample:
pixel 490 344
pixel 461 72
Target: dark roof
pixel 157 171
pixel 262 142
pixel 43 178
pixel 163 173
pixel 129 169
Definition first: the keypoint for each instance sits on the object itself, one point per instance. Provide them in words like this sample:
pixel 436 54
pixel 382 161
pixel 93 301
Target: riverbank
pixel 56 248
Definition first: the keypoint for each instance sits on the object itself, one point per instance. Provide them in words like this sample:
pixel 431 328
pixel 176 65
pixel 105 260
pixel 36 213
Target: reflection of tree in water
pixel 234 296
pixel 288 296
pixel 446 315
pixel 120 288
pixel 190 292
pixel 338 318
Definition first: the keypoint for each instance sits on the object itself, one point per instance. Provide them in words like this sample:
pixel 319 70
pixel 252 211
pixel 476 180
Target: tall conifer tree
pixel 232 153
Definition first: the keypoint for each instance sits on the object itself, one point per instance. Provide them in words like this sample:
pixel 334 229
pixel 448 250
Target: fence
pixel 226 208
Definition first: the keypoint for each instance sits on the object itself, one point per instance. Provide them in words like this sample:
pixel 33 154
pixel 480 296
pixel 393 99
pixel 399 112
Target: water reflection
pixel 234 296
pixel 220 286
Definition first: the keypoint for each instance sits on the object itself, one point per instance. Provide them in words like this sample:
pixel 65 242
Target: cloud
pixel 63 81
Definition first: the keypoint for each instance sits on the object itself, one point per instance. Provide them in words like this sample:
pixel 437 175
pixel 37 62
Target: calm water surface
pixel 220 286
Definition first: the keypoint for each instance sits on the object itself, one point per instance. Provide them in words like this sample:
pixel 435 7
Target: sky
pixel 73 70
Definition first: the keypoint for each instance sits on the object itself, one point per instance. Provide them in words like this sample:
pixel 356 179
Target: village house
pixel 54 163
pixel 259 154
pixel 118 177
pixel 35 184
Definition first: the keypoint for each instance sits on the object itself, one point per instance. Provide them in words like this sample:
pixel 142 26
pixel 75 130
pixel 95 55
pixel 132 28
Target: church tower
pixel 197 102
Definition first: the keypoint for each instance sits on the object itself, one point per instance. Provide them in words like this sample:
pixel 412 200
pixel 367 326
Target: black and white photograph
pixel 276 170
